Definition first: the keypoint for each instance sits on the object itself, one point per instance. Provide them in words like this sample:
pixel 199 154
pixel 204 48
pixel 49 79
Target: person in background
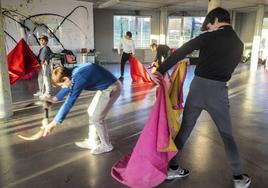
pixel 73 81
pixel 162 52
pixel 220 52
pixel 44 75
pixel 128 49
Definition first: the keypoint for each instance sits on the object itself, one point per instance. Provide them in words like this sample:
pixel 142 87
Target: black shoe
pixel 121 78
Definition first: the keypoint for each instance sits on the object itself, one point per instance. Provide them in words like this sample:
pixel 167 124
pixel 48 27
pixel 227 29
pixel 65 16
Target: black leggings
pixel 125 57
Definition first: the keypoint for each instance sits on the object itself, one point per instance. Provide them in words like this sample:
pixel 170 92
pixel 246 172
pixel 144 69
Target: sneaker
pixel 85 144
pixel 101 148
pixel 121 78
pixel 242 183
pixel 179 173
pixel 45 96
pixel 37 94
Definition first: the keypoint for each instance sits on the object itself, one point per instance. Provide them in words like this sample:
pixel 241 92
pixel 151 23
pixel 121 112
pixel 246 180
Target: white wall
pixel 72 36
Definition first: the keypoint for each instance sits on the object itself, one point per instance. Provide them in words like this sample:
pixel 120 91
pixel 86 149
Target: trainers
pixel 85 144
pixel 37 94
pixel 242 183
pixel 179 173
pixel 101 148
pixel 45 96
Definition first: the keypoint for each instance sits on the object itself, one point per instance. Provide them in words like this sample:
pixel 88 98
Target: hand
pixel 49 128
pixel 157 77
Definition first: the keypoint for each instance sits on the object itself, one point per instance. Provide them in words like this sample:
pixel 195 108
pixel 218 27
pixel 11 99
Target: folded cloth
pixel 146 166
pixel 138 71
pixel 21 62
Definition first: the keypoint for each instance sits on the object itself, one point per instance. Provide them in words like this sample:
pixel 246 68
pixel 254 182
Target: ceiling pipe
pixel 108 3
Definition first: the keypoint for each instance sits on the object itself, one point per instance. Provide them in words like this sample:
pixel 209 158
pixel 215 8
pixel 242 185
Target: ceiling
pixel 179 5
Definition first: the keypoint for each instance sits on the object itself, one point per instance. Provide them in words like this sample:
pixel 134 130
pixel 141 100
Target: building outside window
pixel 139 26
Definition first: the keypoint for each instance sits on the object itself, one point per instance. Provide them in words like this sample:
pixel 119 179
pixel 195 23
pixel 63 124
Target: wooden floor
pixel 55 161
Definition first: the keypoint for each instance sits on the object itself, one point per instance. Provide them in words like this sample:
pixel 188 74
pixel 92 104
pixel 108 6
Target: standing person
pixel 162 52
pixel 44 80
pixel 128 49
pixel 91 77
pixel 220 52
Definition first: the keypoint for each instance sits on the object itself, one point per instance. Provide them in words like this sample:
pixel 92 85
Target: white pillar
pixel 233 17
pixel 213 4
pixel 163 25
pixel 257 38
pixel 5 92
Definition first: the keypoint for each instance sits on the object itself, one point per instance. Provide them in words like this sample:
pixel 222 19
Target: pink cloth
pixel 146 166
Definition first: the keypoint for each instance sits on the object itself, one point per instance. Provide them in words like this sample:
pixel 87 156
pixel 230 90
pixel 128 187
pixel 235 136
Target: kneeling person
pixel 87 77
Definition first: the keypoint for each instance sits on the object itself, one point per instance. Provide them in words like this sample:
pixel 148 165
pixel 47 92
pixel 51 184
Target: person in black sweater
pixel 220 52
pixel 162 52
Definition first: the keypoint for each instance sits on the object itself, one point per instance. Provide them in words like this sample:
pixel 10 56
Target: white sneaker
pixel 179 173
pixel 101 148
pixel 45 96
pixel 242 183
pixel 37 94
pixel 86 144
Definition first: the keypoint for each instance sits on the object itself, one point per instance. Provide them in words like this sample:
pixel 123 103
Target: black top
pixel 161 51
pixel 45 54
pixel 220 53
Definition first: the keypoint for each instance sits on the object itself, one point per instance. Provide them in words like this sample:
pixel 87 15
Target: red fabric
pixel 21 62
pixel 138 71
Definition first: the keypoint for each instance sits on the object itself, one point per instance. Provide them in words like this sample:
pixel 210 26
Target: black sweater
pixel 220 53
pixel 161 51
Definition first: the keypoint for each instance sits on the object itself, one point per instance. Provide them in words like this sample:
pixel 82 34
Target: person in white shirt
pixel 128 49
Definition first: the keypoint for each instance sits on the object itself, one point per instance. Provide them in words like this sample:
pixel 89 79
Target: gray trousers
pixel 44 79
pixel 212 96
pixel 98 110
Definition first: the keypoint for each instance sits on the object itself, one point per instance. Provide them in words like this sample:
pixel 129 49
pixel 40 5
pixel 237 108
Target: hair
pixel 129 34
pixel 153 45
pixel 44 37
pixel 59 73
pixel 220 13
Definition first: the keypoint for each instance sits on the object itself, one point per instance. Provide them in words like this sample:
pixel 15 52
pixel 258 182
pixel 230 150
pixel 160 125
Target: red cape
pixel 138 71
pixel 21 61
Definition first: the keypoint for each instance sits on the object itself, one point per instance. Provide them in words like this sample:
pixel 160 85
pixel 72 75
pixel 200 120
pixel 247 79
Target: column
pixel 257 38
pixel 5 91
pixel 233 18
pixel 163 25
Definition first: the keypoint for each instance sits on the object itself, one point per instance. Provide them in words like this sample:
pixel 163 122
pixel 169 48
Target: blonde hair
pixel 58 75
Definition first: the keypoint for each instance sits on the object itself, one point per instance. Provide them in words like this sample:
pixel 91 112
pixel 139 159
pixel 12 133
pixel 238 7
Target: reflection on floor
pixel 56 162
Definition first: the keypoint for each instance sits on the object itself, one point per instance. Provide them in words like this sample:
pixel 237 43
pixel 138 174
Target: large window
pixel 140 27
pixel 182 29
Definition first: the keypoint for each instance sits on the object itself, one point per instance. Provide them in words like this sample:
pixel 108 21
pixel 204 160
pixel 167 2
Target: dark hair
pixel 153 45
pixel 220 13
pixel 129 34
pixel 58 74
pixel 43 37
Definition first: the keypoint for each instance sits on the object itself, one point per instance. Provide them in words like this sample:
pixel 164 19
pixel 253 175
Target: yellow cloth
pixel 174 101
